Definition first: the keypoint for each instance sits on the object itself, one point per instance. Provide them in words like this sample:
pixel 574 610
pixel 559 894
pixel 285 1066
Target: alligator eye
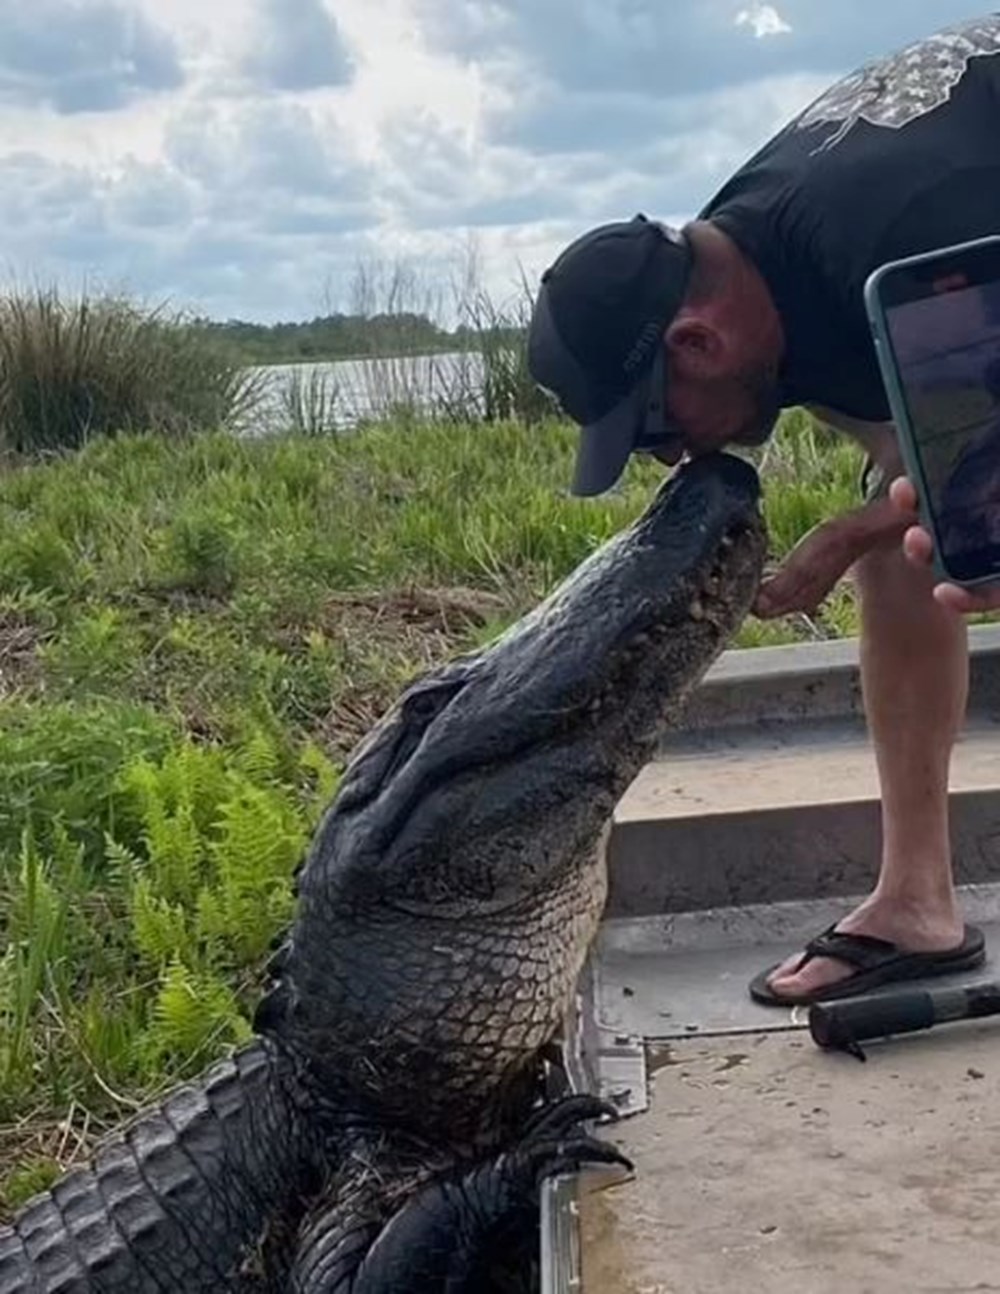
pixel 426 703
pixel 423 705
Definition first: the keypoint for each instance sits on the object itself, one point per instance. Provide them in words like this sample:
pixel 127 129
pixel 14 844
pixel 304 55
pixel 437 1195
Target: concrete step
pixel 768 813
pixel 814 681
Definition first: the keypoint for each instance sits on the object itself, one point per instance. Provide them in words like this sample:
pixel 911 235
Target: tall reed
pixel 74 369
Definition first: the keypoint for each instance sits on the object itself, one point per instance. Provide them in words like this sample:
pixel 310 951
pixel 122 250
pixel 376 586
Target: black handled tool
pixel 843 1025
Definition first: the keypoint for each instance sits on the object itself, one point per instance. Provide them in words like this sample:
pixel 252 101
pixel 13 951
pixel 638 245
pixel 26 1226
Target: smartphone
pixel 935 320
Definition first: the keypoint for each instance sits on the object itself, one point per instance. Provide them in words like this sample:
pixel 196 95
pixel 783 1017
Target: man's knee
pixel 874 437
pixel 883 462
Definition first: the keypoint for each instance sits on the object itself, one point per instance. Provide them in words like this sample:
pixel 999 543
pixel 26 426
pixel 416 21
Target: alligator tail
pixel 177 1200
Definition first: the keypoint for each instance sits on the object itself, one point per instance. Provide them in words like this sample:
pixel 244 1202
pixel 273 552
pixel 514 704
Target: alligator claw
pixel 466 1230
pixel 572 1156
pixel 561 1116
pixel 553 1143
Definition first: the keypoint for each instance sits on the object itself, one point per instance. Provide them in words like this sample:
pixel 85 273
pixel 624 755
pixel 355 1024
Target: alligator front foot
pixel 471 1232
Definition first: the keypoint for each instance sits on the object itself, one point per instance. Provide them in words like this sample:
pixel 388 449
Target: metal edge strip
pixel 561 1256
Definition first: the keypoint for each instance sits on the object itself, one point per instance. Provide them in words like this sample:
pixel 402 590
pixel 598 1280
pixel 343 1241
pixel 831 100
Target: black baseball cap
pixel 595 341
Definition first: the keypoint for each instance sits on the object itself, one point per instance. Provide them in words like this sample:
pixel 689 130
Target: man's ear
pixel 696 348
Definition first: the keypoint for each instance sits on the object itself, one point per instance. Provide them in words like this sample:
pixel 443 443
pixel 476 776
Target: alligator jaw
pixel 450 896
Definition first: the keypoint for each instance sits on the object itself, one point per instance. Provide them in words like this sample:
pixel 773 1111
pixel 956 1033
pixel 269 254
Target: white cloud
pixel 76 58
pixel 764 19
pixel 298 47
pixel 239 156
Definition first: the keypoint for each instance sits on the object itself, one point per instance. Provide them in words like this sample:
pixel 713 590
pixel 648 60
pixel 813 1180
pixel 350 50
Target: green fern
pixel 260 844
pixel 122 865
pixel 192 1013
pixel 37 959
pixel 202 552
pixel 323 774
pixel 122 966
pixel 161 928
pixel 220 837
pixel 175 851
pixel 189 775
pixel 258 759
pixel 212 924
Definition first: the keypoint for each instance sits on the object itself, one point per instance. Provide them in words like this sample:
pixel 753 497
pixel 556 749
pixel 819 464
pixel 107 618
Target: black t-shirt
pixel 901 157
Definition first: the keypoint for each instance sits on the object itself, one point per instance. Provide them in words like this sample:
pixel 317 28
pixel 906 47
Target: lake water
pixel 341 394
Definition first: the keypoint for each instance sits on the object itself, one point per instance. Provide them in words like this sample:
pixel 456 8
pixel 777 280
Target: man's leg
pixel 914 669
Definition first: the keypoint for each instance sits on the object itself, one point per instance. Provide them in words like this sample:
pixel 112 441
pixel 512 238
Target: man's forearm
pixel 822 557
pixel 874 525
pixel 877 521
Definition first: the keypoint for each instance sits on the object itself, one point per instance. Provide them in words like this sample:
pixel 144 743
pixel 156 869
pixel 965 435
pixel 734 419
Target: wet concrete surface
pixel 765 1165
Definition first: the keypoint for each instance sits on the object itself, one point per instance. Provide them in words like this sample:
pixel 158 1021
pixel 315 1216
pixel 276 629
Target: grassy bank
pixel 72 369
pixel 193 634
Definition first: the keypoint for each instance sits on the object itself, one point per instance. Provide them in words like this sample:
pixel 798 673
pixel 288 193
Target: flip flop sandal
pixel 877 962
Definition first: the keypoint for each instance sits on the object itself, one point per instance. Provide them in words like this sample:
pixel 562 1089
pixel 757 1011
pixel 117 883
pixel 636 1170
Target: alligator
pixel 388 1126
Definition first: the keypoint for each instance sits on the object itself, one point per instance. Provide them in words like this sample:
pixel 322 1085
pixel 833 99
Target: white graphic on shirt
pixel 894 91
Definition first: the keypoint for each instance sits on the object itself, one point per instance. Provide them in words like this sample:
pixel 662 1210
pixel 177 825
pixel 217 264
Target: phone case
pixel 897 402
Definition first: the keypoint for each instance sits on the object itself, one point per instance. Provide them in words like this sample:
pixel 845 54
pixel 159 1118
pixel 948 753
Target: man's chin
pixel 753 439
pixel 756 433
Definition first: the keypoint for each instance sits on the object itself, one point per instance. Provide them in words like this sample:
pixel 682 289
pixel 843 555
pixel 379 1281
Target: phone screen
pixel 946 345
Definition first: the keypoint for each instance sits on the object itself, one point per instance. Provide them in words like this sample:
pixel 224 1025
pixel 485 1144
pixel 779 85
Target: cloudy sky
pixel 242 158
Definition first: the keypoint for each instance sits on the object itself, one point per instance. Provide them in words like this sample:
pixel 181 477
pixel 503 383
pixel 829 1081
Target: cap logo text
pixel 647 339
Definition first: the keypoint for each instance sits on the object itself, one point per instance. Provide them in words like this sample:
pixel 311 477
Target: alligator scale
pixel 384 1130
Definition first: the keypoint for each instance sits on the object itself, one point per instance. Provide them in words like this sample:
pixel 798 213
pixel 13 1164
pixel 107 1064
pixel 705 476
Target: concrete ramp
pixel 762 1161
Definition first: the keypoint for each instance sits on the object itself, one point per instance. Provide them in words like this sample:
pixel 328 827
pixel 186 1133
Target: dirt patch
pixel 43 1147
pixel 20 638
pixel 401 634
pixel 444 611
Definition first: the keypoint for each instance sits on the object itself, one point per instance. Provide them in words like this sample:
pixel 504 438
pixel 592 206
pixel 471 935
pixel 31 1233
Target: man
pixel 674 342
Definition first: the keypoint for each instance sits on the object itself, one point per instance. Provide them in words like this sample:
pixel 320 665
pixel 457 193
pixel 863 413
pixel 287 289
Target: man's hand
pixel 918 546
pixel 808 573
pixel 825 554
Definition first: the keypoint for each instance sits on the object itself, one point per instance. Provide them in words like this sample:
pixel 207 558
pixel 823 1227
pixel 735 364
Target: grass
pixel 71 370
pixel 193 634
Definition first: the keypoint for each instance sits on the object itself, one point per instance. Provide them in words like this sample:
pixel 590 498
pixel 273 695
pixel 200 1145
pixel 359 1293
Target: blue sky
pixel 243 158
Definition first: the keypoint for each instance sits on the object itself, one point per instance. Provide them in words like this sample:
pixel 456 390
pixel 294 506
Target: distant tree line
pixel 344 336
